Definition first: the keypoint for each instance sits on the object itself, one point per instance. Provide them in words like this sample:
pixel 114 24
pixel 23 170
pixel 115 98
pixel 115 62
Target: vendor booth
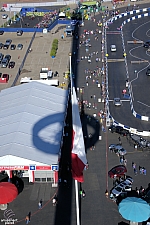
pixel 69 30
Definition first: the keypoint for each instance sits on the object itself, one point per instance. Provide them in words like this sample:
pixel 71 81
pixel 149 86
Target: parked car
pixel 113 48
pixel 11 64
pixel 2 10
pixel 118 149
pixel 12 47
pixel 1 45
pixel 5 46
pixel 6 76
pixel 8 41
pixel 117 171
pixel 148 72
pixel 1 32
pixel 4 16
pixel 120 188
pixel 128 181
pixel 4 63
pixel 140 141
pixel 146 44
pixel 117 102
pixel 19 32
pixel 8 57
pixel 118 129
pixel 20 46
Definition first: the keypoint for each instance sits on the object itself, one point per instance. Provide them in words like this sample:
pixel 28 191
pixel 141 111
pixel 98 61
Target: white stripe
pixel 78 144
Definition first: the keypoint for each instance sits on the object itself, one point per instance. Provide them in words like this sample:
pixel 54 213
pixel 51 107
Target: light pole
pixel 70 68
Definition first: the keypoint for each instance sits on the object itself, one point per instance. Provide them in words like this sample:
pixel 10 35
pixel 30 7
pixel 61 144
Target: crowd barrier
pixel 51 26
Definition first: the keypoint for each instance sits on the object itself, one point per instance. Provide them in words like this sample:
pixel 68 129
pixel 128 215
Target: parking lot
pixel 40 55
pixel 16 55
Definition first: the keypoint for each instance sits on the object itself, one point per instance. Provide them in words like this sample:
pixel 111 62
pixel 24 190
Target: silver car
pixel 20 46
pixel 118 149
pixel 117 102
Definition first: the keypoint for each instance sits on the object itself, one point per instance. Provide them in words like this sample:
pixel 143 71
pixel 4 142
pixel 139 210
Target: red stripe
pixel 77 168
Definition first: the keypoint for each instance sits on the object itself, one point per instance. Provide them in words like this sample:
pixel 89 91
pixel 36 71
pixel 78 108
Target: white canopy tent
pixel 31 124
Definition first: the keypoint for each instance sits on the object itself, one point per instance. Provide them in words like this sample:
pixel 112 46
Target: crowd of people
pixel 47 19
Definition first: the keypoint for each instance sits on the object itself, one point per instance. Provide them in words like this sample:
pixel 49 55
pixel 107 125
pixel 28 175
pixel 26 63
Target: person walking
pixel 27 219
pixel 144 171
pixel 119 138
pixel 55 200
pixel 29 215
pixel 83 194
pixel 40 204
pixel 133 165
pixel 125 162
pixel 135 171
pixel 121 160
pixel 106 193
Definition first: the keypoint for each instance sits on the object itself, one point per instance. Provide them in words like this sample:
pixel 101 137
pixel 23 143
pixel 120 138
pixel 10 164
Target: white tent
pixel 31 124
pixel 62 14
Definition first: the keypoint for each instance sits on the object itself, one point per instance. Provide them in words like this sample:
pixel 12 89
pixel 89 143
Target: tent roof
pixel 89 3
pixel 62 14
pixel 31 121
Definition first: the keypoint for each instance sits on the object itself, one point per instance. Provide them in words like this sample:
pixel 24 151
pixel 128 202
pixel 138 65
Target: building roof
pixel 31 122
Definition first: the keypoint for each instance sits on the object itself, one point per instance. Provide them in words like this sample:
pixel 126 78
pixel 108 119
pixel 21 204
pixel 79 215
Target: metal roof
pixel 31 121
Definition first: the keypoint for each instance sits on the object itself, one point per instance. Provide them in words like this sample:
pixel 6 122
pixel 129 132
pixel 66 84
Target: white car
pixel 4 16
pixel 113 48
pixel 117 102
pixel 117 191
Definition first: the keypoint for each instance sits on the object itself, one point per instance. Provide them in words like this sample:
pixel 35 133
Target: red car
pixel 117 171
pixel 6 76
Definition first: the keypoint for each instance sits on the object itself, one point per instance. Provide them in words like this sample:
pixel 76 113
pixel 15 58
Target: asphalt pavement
pixel 95 208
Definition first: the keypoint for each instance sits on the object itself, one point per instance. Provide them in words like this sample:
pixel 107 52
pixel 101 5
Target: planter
pixel 54 48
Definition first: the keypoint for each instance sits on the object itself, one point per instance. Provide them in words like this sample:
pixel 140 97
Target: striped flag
pixel 78 154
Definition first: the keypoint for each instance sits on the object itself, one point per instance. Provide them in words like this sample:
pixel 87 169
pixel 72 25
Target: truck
pixel 140 141
pixel 46 73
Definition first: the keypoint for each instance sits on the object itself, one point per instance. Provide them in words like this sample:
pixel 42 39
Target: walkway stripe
pixel 115 60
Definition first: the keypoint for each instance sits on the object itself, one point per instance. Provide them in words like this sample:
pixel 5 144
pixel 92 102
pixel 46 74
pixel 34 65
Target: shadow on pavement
pixel 123 223
pixel 63 208
pixel 18 182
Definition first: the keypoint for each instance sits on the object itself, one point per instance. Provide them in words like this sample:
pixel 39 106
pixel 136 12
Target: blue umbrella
pixel 134 209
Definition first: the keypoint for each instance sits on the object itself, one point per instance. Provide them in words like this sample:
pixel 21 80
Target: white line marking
pixel 125 100
pixel 143 103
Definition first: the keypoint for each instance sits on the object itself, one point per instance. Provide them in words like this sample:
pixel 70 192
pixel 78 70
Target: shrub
pixel 54 47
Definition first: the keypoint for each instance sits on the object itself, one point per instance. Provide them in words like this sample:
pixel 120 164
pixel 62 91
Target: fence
pixel 10 29
pixel 51 26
